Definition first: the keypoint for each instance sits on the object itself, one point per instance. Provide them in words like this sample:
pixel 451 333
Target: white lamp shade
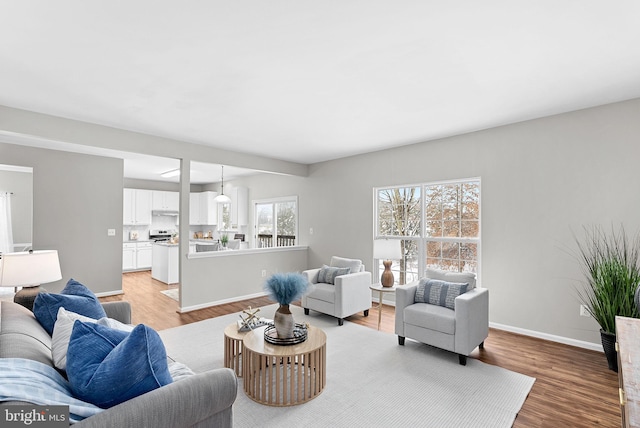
pixel 386 249
pixel 29 268
pixel 222 199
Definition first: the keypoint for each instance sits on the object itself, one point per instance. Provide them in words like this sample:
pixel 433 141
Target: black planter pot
pixel 609 345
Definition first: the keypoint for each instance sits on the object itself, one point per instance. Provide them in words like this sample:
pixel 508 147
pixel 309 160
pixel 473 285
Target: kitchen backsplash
pixel 161 222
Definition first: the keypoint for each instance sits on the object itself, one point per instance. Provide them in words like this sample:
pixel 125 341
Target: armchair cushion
pixel 324 292
pixel 437 292
pixel 461 277
pixel 328 274
pixel 432 317
pixel 355 264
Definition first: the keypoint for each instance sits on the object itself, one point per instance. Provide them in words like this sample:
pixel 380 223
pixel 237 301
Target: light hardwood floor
pixel 573 386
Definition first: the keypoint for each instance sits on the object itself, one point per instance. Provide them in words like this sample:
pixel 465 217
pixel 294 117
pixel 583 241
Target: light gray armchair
pixel 458 330
pixel 341 296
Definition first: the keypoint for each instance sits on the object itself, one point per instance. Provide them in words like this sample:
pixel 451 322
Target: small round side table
pixel 381 290
pixel 233 348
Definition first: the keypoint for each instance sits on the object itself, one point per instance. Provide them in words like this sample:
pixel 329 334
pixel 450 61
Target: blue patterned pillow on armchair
pixel 328 274
pixel 437 292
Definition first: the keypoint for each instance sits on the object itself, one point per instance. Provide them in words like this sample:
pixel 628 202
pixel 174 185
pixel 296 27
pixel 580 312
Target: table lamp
pixel 386 250
pixel 28 270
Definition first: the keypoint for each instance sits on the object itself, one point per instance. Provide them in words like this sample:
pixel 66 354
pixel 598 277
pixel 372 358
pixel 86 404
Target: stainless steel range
pixel 157 235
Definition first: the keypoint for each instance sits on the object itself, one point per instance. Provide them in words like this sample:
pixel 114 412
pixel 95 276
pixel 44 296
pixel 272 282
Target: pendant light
pixel 222 198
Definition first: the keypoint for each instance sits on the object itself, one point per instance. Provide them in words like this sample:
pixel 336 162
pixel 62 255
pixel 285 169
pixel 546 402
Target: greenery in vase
pixel 285 288
pixel 611 267
pixel 224 240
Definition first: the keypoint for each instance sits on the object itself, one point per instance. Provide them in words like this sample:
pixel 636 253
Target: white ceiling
pixel 309 81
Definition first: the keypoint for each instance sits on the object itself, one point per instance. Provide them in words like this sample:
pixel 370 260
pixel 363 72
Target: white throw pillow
pixel 341 262
pixel 179 371
pixel 62 333
pixel 448 276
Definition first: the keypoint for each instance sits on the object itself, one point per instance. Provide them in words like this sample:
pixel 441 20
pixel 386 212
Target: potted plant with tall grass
pixel 611 268
pixel 285 288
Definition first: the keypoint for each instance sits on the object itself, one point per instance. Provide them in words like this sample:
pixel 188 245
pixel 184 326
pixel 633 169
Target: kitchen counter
pixel 165 266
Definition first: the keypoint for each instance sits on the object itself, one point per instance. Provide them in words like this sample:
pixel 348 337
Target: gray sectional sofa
pixel 200 400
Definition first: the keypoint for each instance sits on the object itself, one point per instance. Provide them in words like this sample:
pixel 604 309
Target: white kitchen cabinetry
pixel 203 209
pixel 128 256
pixel 208 208
pixel 239 206
pixel 136 207
pixel 194 208
pixel 166 201
pixel 143 255
pixel 136 255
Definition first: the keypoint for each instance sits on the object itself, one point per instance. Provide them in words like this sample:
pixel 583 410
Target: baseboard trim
pixel 110 293
pixel 549 337
pixel 220 302
pixel 518 330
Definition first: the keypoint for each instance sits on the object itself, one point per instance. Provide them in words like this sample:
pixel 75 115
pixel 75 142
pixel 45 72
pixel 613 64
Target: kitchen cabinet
pixel 136 207
pixel 136 255
pixel 239 206
pixel 128 256
pixel 166 201
pixel 194 209
pixel 203 209
pixel 143 255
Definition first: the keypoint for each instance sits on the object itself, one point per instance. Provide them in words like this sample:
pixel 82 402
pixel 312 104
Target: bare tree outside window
pixel 452 226
pixel 451 234
pixel 399 214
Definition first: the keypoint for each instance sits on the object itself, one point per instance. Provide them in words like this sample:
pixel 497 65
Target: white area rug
pixel 371 380
pixel 172 293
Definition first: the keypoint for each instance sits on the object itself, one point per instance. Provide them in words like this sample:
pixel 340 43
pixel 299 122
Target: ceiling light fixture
pixel 222 198
pixel 172 173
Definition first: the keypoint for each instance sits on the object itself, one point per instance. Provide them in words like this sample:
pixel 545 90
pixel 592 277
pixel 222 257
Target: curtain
pixel 6 234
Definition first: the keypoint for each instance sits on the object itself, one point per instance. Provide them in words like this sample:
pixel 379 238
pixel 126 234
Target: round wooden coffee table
pixel 284 375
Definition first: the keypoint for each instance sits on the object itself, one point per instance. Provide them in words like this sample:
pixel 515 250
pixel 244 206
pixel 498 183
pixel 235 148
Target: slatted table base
pixel 285 380
pixel 233 348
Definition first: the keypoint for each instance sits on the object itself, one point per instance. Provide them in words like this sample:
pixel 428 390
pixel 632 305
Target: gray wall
pixel 541 180
pixel 21 184
pixel 76 198
pixel 225 278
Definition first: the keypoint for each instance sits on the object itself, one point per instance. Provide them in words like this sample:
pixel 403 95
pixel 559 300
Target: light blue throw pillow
pixel 74 297
pixel 106 367
pixel 437 292
pixel 328 274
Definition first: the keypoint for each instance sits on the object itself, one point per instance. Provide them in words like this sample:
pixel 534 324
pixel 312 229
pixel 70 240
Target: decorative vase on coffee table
pixel 285 288
pixel 284 322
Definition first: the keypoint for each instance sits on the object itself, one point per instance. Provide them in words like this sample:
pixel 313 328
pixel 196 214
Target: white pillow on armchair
pixel 341 262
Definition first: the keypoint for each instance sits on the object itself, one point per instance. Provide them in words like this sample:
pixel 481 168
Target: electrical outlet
pixel 264 273
pixel 111 232
pixel 583 311
pixel 311 231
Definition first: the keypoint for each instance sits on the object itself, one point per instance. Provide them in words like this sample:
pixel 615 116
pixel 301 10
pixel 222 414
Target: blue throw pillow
pixel 328 274
pixel 442 293
pixel 106 367
pixel 74 297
